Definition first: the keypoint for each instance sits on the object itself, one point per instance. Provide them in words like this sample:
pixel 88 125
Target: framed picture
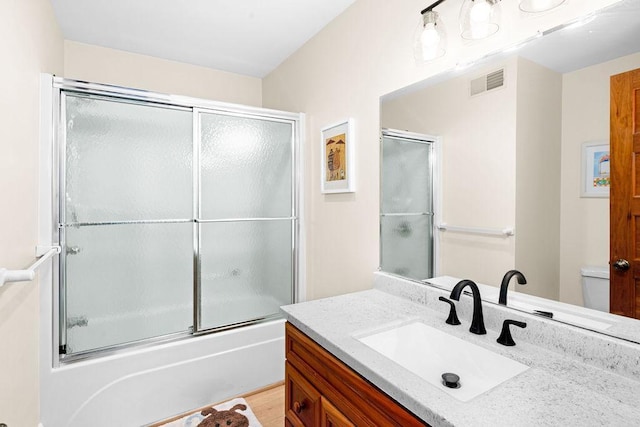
pixel 596 178
pixel 337 158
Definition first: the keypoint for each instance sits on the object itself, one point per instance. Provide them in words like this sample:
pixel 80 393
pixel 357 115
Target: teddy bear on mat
pixel 230 418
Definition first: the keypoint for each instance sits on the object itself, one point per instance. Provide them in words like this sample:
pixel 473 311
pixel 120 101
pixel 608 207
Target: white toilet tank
pixel 595 287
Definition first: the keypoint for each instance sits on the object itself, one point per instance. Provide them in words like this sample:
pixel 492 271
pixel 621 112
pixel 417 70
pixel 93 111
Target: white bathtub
pixel 150 384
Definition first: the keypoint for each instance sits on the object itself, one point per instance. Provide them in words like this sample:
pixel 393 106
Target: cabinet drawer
pixel 330 416
pixel 302 400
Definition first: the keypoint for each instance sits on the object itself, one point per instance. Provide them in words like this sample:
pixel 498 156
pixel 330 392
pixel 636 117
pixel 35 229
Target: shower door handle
pixel 73 250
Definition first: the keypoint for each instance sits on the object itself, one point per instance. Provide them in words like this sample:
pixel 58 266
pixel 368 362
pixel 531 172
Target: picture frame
pixel 336 159
pixel 596 178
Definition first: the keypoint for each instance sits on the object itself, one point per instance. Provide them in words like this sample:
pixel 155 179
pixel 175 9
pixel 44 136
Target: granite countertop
pixel 565 384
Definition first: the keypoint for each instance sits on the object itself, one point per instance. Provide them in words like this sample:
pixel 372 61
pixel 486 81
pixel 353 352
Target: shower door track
pixel 196 106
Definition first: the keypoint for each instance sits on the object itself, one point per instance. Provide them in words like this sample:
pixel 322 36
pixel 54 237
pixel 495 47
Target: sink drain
pixel 451 380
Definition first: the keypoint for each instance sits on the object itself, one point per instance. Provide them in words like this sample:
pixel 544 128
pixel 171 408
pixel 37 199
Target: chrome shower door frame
pixel 61 87
pixel 294 217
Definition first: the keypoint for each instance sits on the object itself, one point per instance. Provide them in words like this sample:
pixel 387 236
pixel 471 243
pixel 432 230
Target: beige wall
pixel 30 43
pixel 478 168
pixel 584 238
pixel 341 72
pixel 117 67
pixel 537 164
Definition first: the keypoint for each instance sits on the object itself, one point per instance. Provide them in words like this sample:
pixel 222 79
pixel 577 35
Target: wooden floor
pixel 267 404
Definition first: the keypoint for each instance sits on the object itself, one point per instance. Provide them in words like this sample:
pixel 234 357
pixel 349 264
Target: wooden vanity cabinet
pixel 320 390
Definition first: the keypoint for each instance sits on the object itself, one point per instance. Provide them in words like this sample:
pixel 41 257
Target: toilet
pixel 595 287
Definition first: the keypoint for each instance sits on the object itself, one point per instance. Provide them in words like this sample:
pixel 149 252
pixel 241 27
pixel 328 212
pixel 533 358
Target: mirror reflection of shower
pixel 407 204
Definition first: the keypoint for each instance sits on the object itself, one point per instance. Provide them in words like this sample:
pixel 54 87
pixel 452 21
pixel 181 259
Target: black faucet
pixel 505 337
pixel 477 324
pixel 505 284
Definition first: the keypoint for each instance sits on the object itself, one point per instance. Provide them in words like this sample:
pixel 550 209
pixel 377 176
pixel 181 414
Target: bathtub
pixel 138 387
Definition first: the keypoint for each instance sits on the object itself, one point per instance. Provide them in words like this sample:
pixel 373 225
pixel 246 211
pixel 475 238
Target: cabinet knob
pixel 298 407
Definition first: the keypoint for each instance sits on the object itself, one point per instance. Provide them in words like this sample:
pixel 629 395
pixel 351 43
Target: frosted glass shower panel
pixel 127 161
pixel 126 283
pixel 246 167
pixel 246 271
pixel 406 244
pixel 406 176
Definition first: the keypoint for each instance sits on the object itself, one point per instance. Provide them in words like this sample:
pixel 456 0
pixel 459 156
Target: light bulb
pixel 480 19
pixel 430 39
pixel 430 36
pixel 480 12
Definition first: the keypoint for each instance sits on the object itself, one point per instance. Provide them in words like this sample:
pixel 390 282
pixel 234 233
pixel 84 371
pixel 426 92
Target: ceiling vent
pixel 487 82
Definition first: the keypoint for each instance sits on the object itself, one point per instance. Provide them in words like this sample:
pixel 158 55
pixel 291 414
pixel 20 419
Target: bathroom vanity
pixel 322 390
pixel 334 377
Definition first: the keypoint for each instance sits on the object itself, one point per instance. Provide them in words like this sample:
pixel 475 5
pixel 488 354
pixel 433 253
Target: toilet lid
pixel 598 272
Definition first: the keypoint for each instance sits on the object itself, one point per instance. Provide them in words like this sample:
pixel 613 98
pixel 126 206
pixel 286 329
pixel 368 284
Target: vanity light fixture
pixel 534 6
pixel 479 19
pixel 430 39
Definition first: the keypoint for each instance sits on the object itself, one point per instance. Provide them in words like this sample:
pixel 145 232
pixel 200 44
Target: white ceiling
pixel 250 37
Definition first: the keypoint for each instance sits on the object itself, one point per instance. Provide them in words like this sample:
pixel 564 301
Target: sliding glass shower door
pixel 246 218
pixel 126 230
pixel 172 219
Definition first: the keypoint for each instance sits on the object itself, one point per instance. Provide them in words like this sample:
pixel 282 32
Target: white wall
pixel 364 53
pixel 103 65
pixel 537 177
pixel 478 165
pixel 584 238
pixel 30 43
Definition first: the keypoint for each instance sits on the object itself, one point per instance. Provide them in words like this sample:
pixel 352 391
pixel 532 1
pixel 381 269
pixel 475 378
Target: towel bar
pixel 29 273
pixel 506 232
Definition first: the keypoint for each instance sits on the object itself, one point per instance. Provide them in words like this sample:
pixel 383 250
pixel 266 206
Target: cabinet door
pixel 302 400
pixel 330 416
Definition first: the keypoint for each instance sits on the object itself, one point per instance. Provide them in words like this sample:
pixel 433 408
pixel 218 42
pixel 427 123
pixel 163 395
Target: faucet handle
pixel 505 336
pixel 453 315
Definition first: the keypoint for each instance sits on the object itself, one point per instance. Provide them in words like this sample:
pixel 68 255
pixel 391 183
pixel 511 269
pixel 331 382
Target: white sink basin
pixel 429 352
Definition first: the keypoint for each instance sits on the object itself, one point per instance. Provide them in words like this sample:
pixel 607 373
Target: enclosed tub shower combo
pixel 176 217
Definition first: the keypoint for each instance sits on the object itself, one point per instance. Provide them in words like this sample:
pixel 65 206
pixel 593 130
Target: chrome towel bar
pixel 504 232
pixel 43 252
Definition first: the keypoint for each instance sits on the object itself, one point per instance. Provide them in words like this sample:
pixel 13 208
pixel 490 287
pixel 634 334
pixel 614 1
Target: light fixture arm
pixel 430 8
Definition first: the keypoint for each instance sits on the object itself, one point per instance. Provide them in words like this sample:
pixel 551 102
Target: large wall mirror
pixel 515 130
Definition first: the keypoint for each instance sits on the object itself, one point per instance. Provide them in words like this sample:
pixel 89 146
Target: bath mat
pixel 235 410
